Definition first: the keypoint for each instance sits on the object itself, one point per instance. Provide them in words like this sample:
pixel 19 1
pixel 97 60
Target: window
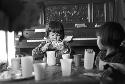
pixel 3 47
pixel 7 48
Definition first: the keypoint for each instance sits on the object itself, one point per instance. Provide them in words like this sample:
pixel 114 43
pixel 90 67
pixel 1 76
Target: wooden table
pixel 54 76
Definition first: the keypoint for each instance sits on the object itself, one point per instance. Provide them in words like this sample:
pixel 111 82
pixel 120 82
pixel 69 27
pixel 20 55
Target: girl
pixel 54 41
pixel 109 39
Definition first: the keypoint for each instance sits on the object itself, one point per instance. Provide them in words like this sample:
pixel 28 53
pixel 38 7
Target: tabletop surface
pixel 54 76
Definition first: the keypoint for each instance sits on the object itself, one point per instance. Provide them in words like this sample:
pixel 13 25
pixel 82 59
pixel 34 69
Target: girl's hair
pixel 111 33
pixel 56 27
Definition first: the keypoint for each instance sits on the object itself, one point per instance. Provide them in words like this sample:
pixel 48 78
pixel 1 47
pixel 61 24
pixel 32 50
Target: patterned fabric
pixel 101 55
pixel 59 51
pixel 114 57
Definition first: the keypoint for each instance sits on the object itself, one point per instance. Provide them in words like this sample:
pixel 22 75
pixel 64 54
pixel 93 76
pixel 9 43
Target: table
pixel 54 76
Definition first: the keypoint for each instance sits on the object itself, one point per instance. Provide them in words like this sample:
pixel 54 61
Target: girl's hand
pixel 60 46
pixel 118 66
pixel 35 51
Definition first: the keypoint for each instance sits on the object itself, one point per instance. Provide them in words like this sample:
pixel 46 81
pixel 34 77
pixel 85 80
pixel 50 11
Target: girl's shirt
pixel 58 46
pixel 114 57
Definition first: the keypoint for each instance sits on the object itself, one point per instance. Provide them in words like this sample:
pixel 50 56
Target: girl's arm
pixel 66 49
pixel 39 51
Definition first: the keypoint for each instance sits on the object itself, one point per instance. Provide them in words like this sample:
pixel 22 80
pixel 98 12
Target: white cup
pixel 39 70
pixel 27 66
pixel 66 66
pixel 101 65
pixel 89 59
pixel 15 63
pixel 88 64
pixel 65 56
pixel 51 59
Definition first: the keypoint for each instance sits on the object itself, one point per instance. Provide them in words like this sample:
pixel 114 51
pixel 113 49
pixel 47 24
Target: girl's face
pixel 54 36
pixel 99 44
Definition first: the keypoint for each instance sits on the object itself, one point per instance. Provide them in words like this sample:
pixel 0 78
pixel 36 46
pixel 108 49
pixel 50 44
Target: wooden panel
pixel 55 2
pixel 83 43
pixel 99 12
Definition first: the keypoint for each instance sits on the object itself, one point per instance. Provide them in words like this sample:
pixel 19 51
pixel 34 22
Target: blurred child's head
pixel 55 30
pixel 110 34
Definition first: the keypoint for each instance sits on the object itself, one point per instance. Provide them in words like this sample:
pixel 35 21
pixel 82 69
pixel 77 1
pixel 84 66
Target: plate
pixel 13 76
pixel 17 79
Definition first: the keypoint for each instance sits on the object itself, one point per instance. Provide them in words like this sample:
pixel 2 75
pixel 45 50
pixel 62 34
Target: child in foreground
pixel 109 40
